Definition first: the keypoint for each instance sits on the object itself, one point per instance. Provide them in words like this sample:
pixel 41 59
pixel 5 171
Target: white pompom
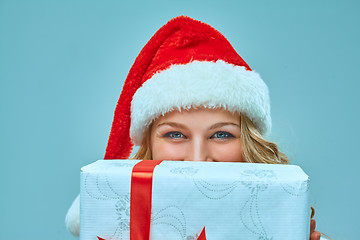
pixel 72 219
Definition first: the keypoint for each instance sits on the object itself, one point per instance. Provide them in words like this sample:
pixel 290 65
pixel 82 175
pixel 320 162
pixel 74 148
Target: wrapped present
pixel 186 200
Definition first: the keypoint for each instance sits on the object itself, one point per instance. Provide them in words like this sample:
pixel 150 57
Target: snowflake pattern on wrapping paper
pixel 192 237
pixel 260 179
pixel 214 191
pixel 249 215
pixel 296 191
pixel 187 171
pixel 265 238
pixel 173 217
pixel 122 208
pixel 120 164
pixel 103 192
pixel 108 192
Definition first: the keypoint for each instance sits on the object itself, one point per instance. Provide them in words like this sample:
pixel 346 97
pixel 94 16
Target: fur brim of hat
pixel 200 83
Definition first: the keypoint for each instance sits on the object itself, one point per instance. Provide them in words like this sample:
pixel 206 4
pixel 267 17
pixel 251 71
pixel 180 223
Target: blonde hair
pixel 144 151
pixel 256 149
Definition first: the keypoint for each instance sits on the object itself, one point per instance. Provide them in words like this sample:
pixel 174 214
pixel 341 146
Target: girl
pixel 190 97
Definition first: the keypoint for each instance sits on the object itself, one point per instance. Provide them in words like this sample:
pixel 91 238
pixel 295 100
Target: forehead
pixel 204 115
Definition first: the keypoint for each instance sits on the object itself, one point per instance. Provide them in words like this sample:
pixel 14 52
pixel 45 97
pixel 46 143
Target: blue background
pixel 62 66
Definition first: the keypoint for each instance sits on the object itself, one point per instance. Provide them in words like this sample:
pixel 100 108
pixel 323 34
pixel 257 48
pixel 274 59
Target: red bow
pixel 140 201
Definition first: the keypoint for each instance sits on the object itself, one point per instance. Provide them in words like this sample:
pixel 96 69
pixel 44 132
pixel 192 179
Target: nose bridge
pixel 199 150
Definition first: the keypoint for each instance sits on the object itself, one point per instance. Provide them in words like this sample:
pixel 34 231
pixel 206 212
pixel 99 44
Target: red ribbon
pixel 140 200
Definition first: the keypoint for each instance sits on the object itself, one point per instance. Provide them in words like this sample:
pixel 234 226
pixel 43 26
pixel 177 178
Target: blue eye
pixel 174 135
pixel 222 135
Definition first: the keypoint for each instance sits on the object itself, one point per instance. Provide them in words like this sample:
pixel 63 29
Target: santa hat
pixel 186 64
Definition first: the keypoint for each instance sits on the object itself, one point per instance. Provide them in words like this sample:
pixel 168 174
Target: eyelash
pixel 227 135
pixel 215 135
pixel 171 135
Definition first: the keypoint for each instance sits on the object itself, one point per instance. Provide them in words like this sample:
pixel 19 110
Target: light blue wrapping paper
pixel 232 200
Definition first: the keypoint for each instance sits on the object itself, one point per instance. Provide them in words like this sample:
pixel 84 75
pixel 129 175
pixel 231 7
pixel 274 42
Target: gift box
pixel 231 200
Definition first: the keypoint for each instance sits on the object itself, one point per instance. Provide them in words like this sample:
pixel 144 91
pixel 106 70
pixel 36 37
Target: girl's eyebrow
pixel 182 126
pixel 221 124
pixel 172 124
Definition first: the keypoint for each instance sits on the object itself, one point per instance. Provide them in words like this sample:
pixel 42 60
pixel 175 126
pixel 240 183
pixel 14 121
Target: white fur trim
pixel 72 219
pixel 200 83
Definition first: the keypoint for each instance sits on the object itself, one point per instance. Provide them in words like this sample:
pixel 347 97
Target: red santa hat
pixel 186 64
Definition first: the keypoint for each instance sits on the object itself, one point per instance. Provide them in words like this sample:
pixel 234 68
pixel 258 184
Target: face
pixel 197 135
